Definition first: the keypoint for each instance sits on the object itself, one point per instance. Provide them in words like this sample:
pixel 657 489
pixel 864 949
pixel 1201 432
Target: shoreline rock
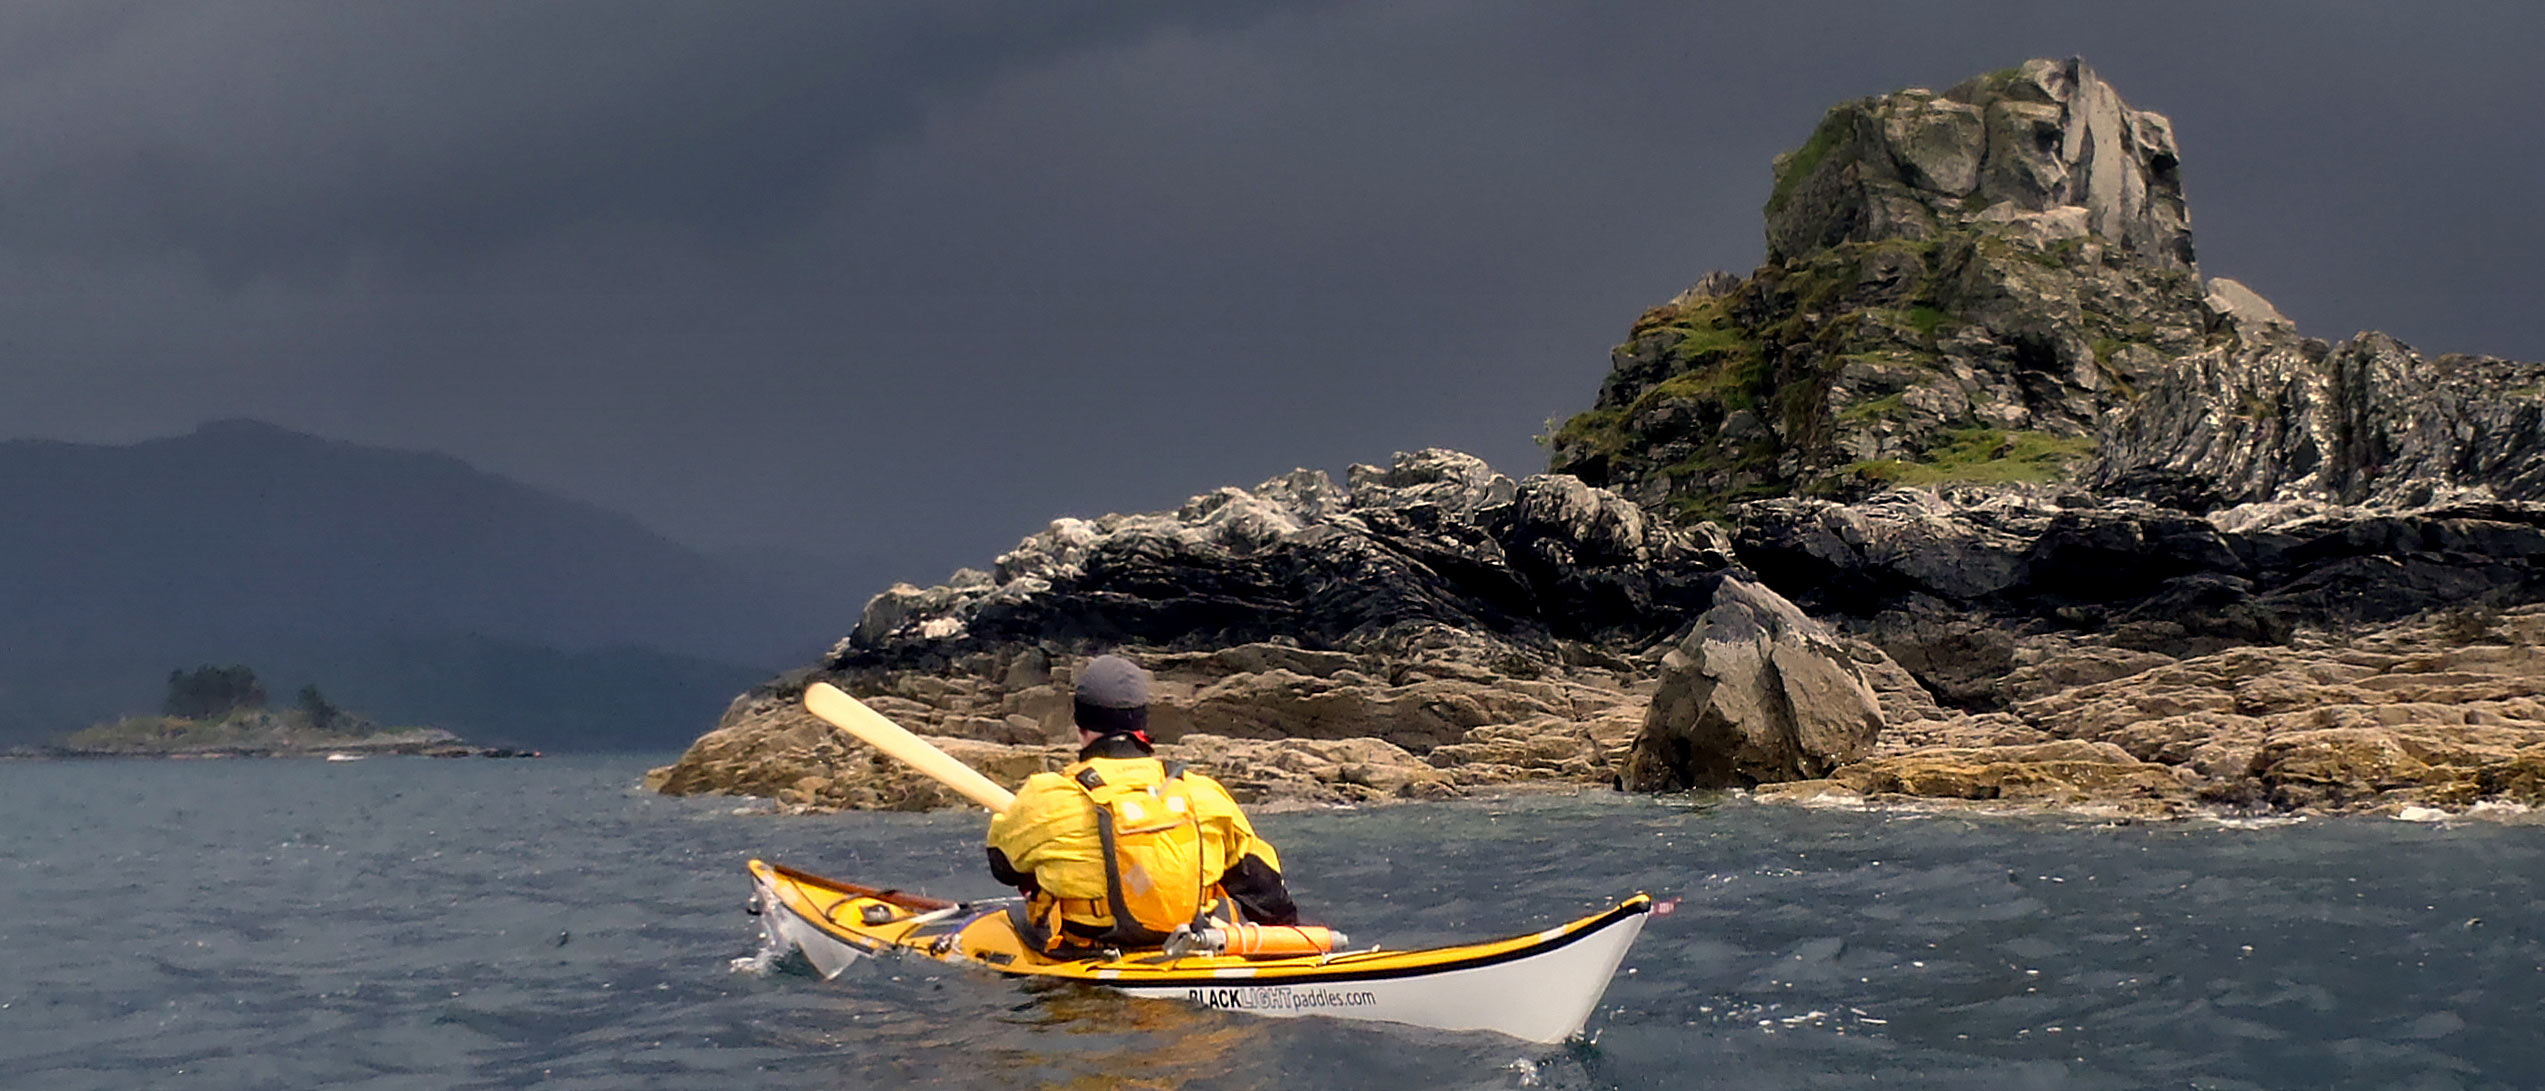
pixel 2440 712
pixel 1476 731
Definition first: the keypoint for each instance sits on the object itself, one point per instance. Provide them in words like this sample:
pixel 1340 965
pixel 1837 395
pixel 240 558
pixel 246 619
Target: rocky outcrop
pixel 2440 712
pixel 1463 628
pixel 1959 287
pixel 1755 692
pixel 2443 710
pixel 2368 421
pixel 1271 733
pixel 768 746
pixel 2080 527
pixel 1433 556
pixel 1951 584
pixel 1995 285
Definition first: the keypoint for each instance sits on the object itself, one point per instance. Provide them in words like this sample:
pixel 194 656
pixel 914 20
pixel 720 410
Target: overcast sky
pixel 893 284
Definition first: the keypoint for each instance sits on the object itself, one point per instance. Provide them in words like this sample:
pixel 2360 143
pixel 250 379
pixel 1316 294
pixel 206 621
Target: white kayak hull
pixel 1545 996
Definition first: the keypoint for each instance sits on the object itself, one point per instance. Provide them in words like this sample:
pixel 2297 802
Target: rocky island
pixel 1977 490
pixel 222 712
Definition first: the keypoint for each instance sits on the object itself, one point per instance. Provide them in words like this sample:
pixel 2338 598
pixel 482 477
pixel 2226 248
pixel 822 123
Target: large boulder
pixel 1755 692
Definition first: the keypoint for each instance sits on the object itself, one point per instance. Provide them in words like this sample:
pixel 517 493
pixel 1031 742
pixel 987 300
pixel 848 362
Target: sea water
pixel 413 923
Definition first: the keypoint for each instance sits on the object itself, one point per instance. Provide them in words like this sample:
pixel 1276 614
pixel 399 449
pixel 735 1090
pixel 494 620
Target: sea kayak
pixel 1539 987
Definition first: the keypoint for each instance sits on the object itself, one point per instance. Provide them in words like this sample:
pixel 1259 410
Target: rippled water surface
pixel 429 924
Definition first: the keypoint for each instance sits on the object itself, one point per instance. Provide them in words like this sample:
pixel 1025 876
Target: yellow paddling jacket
pixel 1110 836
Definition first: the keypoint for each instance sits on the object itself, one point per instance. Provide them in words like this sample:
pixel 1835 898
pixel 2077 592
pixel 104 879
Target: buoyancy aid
pixel 1152 854
pixel 1048 844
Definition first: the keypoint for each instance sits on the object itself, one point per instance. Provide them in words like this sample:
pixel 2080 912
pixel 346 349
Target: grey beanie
pixel 1113 696
pixel 1110 681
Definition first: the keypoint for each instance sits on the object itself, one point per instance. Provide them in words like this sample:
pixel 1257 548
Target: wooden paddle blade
pixel 851 715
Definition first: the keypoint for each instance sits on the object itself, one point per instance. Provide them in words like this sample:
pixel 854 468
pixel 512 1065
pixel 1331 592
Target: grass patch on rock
pixel 1729 377
pixel 1593 431
pixel 1794 166
pixel 1710 507
pixel 1924 319
pixel 1882 408
pixel 1984 456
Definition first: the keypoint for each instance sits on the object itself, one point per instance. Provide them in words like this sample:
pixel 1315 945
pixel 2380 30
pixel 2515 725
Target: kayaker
pixel 1120 848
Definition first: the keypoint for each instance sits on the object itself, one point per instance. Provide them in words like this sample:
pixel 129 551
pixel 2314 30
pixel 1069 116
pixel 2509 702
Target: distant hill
pixel 416 585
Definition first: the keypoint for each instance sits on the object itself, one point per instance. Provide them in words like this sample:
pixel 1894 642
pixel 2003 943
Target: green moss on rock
pixel 1882 408
pixel 1594 431
pixel 1981 455
pixel 1794 166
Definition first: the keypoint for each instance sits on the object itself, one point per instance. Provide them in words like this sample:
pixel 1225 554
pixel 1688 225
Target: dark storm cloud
pixel 902 282
pixel 278 136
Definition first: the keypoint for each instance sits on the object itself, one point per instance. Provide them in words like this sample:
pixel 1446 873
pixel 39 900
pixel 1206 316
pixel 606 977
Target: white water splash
pixel 2254 822
pixel 764 961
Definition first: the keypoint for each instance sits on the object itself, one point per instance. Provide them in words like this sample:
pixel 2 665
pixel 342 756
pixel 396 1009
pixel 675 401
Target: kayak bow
pixel 1539 987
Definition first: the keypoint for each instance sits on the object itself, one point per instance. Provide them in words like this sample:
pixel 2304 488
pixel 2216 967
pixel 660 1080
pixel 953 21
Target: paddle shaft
pixel 869 726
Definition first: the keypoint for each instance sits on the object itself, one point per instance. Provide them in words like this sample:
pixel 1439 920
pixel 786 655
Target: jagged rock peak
pixel 1995 285
pixel 1959 287
pixel 2047 146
